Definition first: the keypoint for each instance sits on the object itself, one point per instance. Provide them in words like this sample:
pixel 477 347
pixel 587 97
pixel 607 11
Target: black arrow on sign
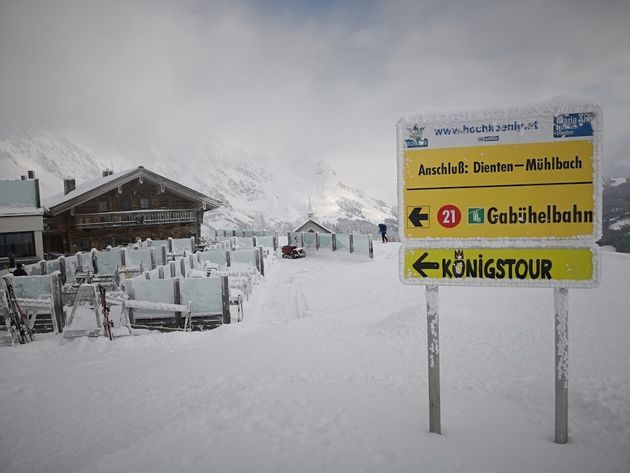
pixel 420 265
pixel 416 217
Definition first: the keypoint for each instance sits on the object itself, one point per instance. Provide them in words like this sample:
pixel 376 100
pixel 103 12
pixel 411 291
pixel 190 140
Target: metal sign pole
pixel 561 306
pixel 433 346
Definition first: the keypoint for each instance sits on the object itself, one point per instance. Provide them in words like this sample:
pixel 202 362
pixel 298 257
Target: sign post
pixel 501 198
pixel 561 306
pixel 433 348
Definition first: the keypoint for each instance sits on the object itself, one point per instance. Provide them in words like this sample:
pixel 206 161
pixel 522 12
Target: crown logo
pixel 459 254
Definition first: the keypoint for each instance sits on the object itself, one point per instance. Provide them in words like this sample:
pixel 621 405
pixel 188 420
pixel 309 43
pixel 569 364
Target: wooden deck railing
pixel 135 218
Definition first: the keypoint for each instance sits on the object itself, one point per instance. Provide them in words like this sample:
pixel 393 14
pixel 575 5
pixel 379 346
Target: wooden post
pixel 261 257
pixel 147 275
pixel 79 262
pixel 433 346
pixel 288 238
pixel 62 269
pixel 170 244
pixel 371 246
pixel 334 241
pixel 228 258
pixel 153 258
pixel 173 270
pixel 317 240
pixel 177 299
pixel 302 239
pixel 351 238
pixel 225 299
pixel 58 315
pixel 275 243
pixel 161 272
pixel 561 306
pixel 94 259
pixel 182 266
pixel 163 252
pixel 43 269
pixel 130 293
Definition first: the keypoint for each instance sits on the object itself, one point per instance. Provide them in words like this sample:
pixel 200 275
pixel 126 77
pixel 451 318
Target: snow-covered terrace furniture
pixel 46 317
pixel 209 299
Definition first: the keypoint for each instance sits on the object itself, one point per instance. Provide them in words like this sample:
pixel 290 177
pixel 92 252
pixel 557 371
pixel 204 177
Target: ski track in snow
pixel 327 372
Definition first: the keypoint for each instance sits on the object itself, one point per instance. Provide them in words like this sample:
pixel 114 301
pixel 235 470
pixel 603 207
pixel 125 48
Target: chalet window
pixel 17 244
pixel 103 205
pixel 163 202
pixel 145 202
pixel 125 204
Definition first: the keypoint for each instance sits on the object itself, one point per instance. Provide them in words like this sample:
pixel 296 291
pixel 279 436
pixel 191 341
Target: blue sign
pixel 572 124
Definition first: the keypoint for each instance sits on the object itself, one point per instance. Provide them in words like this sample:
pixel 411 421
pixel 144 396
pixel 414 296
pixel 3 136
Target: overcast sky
pixel 323 79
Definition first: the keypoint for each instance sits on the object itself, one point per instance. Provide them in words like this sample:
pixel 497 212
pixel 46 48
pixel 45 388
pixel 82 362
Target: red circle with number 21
pixel 449 216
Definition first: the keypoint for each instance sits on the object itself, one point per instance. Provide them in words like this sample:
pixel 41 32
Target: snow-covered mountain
pixel 616 214
pixel 257 192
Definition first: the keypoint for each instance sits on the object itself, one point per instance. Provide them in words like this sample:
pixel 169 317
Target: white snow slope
pixel 328 372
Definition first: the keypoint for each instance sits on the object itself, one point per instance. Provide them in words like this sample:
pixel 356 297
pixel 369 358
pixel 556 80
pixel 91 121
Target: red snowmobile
pixel 291 251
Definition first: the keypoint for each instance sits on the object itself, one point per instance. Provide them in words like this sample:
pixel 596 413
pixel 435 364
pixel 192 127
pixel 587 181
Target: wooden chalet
pixel 118 208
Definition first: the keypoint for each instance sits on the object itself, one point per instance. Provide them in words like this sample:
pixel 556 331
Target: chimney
pixel 107 172
pixel 68 186
pixel 31 174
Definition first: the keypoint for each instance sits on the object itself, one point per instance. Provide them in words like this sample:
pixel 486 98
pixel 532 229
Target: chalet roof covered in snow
pixel 312 225
pixel 59 203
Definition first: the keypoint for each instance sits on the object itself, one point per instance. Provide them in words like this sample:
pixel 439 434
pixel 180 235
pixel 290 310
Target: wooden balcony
pixel 135 218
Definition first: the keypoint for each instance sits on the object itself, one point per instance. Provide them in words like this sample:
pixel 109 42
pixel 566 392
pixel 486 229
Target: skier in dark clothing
pixel 19 270
pixel 382 229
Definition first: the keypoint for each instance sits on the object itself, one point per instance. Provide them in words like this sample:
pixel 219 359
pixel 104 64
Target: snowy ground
pixel 328 372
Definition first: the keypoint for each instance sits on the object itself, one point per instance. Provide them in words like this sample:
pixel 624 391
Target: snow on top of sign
pixel 560 104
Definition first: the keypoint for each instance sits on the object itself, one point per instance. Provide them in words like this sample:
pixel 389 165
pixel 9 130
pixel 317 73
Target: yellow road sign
pixel 517 177
pixel 542 267
pixel 531 190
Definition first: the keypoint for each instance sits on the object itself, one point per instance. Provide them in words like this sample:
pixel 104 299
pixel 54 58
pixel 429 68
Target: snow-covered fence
pixel 362 244
pixel 108 261
pixel 245 242
pixel 181 246
pixel 309 240
pixel 295 238
pixel 157 243
pixel 267 241
pixel 71 264
pixel 218 256
pixel 327 241
pixel 54 265
pixel 354 243
pixel 154 290
pixel 141 258
pixel 219 234
pixel 249 258
pixel 33 269
pixel 209 299
pixel 345 242
pixel 38 287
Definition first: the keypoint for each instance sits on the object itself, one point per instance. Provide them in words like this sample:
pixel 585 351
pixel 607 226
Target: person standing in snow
pixel 382 229
pixel 19 270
